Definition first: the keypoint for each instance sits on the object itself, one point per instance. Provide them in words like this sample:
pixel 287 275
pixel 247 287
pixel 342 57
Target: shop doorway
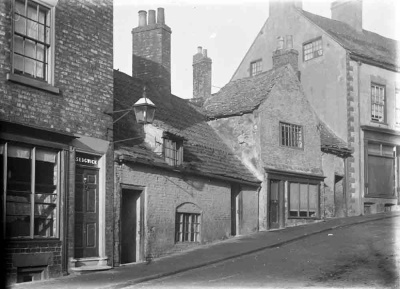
pixel 86 212
pixel 132 220
pixel 275 187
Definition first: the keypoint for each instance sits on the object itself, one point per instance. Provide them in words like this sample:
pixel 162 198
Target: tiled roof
pixel 331 143
pixel 204 152
pixel 365 44
pixel 242 95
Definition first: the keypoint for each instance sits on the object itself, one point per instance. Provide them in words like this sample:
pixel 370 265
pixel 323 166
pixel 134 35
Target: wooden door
pixel 274 192
pixel 236 210
pixel 131 226
pixel 86 212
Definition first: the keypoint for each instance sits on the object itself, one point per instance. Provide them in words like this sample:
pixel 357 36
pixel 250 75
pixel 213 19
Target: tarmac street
pixel 360 252
pixel 364 255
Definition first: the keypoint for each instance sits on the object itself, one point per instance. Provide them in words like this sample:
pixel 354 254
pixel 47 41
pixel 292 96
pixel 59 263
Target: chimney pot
pixel 205 52
pixel 160 16
pixel 289 42
pixel 280 43
pixel 142 18
pixel 199 49
pixel 152 17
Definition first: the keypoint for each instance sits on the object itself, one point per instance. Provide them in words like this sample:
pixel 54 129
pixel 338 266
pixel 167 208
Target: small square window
pixel 312 49
pixel 173 151
pixel 187 228
pixel 255 67
pixel 32 40
pixel 291 135
pixel 378 103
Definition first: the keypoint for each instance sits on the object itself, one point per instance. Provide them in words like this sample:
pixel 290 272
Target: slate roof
pixel 366 44
pixel 245 95
pixel 204 152
pixel 242 95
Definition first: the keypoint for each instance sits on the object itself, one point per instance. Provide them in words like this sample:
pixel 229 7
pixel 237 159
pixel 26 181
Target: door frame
pixel 140 217
pixel 281 202
pixel 236 209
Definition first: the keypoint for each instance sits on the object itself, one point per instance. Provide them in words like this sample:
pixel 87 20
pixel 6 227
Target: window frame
pixel 394 158
pixel 177 151
pixel 383 121
pixel 257 64
pixel 318 200
pixel 314 53
pixel 45 84
pixel 180 227
pixel 58 187
pixel 397 106
pixel 291 125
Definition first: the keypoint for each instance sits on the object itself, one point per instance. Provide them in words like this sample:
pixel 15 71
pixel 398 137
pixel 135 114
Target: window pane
pixel 32 11
pixel 293 199
pixel 20 25
pixel 380 176
pixel 29 67
pixel 303 200
pixel 42 15
pixel 18 64
pixel 32 29
pixel 39 70
pixel 41 32
pixel 17 226
pixel 18 44
pixel 313 200
pixel 20 7
pixel 30 49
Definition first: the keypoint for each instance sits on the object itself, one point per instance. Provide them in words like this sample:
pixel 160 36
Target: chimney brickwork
pixel 285 54
pixel 201 74
pixel 151 50
pixel 348 11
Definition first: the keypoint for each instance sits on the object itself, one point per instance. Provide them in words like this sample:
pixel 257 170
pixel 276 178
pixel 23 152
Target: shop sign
pixel 86 160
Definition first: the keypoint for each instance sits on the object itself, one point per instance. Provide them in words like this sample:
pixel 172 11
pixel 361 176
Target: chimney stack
pixel 279 7
pixel 151 50
pixel 285 54
pixel 201 74
pixel 348 11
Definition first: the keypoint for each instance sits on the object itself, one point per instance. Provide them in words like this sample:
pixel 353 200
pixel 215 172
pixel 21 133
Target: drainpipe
pixel 359 136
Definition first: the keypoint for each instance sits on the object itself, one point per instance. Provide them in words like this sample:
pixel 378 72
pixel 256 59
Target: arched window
pixel 187 223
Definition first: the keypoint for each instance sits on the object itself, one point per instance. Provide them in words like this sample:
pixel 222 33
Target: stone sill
pixel 32 82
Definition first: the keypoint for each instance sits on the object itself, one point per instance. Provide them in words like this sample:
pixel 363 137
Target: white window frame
pixel 378 103
pixel 312 49
pixel 295 136
pixel 180 227
pixel 255 67
pixel 46 84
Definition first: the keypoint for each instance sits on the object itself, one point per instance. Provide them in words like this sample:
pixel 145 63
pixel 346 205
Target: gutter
pixel 125 158
pixel 367 60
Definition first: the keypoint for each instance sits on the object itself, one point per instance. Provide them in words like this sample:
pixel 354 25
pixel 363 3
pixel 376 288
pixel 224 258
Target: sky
pixel 226 28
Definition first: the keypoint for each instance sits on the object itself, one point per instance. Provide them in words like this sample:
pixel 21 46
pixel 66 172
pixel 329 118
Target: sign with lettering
pixel 87 160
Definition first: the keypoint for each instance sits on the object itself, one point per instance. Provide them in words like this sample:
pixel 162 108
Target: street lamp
pixel 144 109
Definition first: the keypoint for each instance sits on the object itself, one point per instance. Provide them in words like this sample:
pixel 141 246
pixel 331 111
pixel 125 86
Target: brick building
pixel 177 184
pixel 268 122
pixel 56 152
pixel 350 76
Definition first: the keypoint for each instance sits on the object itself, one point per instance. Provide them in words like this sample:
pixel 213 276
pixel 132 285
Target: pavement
pixel 201 256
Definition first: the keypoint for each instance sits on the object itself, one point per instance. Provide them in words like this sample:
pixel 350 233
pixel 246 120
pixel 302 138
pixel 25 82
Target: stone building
pixel 268 122
pixel 350 77
pixel 177 184
pixel 56 152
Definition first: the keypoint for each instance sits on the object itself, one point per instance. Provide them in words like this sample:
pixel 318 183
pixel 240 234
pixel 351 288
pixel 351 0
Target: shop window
pixel 187 227
pixel 397 106
pixel 291 135
pixel 303 200
pixel 380 170
pixel 378 103
pixel 173 151
pixel 255 67
pixel 31 186
pixel 312 49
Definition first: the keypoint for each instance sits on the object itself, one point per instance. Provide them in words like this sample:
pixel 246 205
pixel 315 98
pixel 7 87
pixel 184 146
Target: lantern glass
pixel 144 113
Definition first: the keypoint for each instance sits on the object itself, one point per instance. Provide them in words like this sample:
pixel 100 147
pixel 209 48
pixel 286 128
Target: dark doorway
pixel 275 188
pixel 236 210
pixel 86 212
pixel 131 225
pixel 340 198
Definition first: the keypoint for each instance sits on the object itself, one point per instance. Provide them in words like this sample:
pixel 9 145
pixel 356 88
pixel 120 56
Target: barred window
pixel 255 67
pixel 30 182
pixel 173 151
pixel 291 135
pixel 31 40
pixel 312 49
pixel 187 227
pixel 378 103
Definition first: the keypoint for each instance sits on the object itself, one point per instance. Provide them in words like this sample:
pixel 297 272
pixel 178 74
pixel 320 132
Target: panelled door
pixel 274 187
pixel 86 212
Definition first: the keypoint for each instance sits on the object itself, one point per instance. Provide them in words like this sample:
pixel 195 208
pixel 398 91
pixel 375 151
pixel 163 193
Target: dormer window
pixel 173 150
pixel 255 67
pixel 312 49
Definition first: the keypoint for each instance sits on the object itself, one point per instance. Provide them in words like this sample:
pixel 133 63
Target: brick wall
pixel 83 72
pixel 164 192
